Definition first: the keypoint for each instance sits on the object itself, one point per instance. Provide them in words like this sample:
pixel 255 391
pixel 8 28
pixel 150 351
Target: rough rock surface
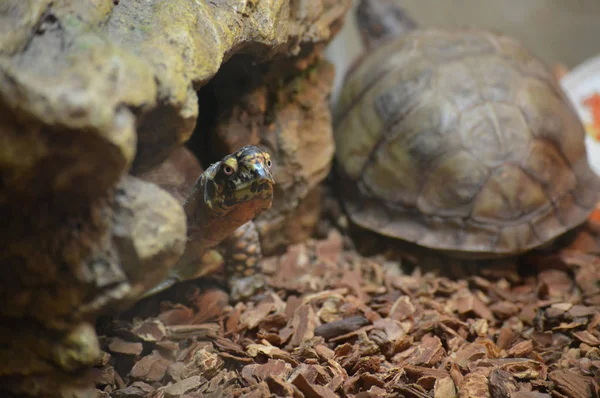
pixel 90 90
pixel 69 270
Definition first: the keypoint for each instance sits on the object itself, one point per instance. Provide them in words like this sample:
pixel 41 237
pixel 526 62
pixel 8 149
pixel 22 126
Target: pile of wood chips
pixel 336 324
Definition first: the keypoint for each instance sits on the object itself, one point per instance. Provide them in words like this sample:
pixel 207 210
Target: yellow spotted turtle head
pixel 241 181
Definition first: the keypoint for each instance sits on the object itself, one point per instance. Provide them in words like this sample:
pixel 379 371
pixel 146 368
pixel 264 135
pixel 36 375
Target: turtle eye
pixel 269 164
pixel 228 170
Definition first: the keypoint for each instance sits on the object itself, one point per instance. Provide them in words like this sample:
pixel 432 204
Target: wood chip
pixel 429 353
pixel 466 303
pixel 311 390
pixel 444 388
pixel 120 346
pixel 181 332
pixel 329 250
pixel 137 389
pixel 150 330
pixel 401 309
pixel 209 304
pixel 343 326
pixel 571 383
pixel 586 337
pixel 151 368
pixel 256 373
pixel 179 314
pixel 181 387
pixel 522 368
pixel 521 349
pixel 502 384
pixel 251 318
pixel 474 385
pixel 303 325
pixel 272 352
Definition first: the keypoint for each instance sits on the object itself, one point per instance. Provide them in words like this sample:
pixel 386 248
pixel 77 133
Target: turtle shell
pixel 461 140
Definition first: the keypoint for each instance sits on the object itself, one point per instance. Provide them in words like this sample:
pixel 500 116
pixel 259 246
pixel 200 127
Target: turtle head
pixel 240 186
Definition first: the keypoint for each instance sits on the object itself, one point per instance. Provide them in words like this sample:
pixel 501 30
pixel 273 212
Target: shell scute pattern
pixel 461 140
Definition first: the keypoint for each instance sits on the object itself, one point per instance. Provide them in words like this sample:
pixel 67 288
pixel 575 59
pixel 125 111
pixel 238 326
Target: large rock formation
pixel 90 91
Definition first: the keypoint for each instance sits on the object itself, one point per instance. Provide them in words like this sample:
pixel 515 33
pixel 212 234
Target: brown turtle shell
pixel 461 140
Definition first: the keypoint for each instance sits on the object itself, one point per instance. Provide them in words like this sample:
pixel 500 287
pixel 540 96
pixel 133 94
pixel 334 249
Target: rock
pixel 36 355
pixel 89 92
pixel 107 268
pixel 149 233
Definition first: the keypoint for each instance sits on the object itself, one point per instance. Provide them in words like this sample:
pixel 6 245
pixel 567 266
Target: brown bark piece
pixel 256 373
pixel 502 384
pixel 343 326
pixel 558 282
pixel 209 305
pixel 586 337
pixel 429 353
pixel 467 302
pixel 402 309
pixel 151 368
pixel 181 387
pixel 571 384
pixel 531 394
pixel 151 331
pixel 522 368
pixel 469 353
pixel 474 385
pixel 178 315
pixel 444 388
pixel 182 332
pixel 204 362
pixel 504 309
pixel 120 346
pixel 329 250
pixel 251 318
pixel 271 352
pixel 303 325
pixel 311 390
pixel 522 349
pixel 138 389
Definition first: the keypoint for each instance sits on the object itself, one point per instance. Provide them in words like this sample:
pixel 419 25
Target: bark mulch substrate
pixel 338 324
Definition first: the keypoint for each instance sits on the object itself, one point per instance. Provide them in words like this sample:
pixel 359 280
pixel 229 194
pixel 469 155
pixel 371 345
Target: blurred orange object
pixel 592 102
pixel 595 216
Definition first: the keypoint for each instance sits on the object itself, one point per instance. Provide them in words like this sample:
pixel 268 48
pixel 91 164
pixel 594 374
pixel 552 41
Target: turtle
pixel 286 112
pixel 458 140
pixel 220 204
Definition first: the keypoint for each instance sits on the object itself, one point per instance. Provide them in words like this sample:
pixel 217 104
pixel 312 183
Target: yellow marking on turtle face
pixel 231 162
